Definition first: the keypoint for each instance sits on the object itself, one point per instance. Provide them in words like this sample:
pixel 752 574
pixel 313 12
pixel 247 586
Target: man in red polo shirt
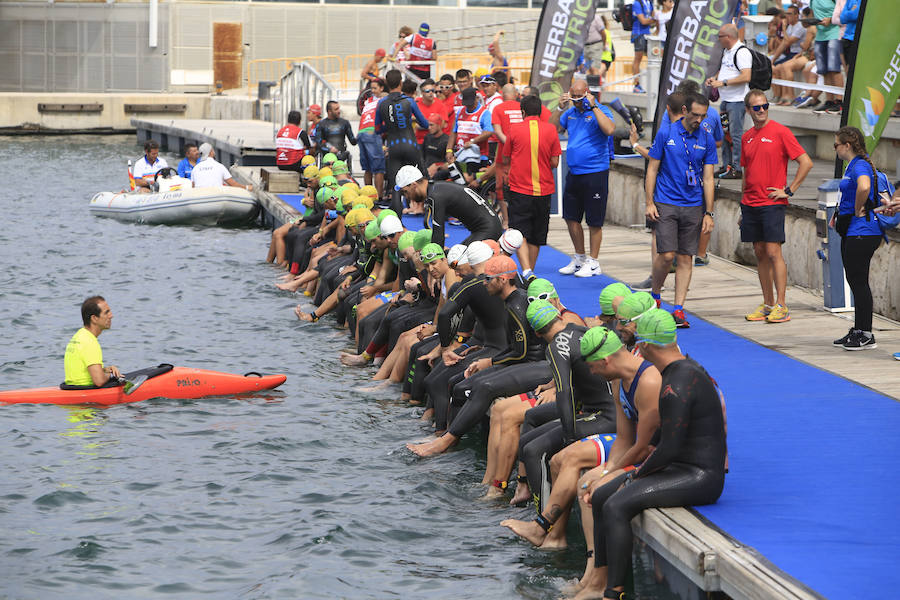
pixel 765 151
pixel 532 151
pixel 505 115
pixel 430 104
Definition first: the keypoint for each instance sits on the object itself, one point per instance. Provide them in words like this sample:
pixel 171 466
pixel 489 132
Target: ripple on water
pixel 61 498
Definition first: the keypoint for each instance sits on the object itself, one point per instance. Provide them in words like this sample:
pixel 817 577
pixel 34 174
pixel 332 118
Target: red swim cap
pixel 494 246
pixel 500 266
pixel 380 52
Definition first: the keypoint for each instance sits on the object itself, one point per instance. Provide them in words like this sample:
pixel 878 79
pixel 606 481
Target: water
pixel 303 492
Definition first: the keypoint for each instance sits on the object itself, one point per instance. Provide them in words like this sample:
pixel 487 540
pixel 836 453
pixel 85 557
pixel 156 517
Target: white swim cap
pixel 457 254
pixel 478 252
pixel 511 240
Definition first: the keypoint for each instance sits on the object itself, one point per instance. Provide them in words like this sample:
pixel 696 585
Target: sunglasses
pixel 445 87
pixel 544 296
pixel 760 107
pixel 836 144
pixel 428 91
pixel 586 355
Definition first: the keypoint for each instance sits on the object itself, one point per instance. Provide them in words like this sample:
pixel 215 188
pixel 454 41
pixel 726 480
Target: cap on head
pixel 350 218
pixel 328 181
pixel 457 254
pixel 598 343
pixel 487 79
pixel 431 253
pixel 351 185
pixel 325 172
pixel 635 305
pixel 339 167
pixel 311 172
pixel 372 230
pixel 656 326
pixel 611 291
pixel 481 72
pixel 500 266
pixel 494 246
pixel 468 94
pixel 321 195
pixel 424 28
pixel 541 286
pixel 422 239
pixel 406 175
pixel 365 216
pixel 368 190
pixel 390 225
pixel 478 252
pixel 205 148
pixel 329 159
pixel 315 109
pixel 307 160
pixel 384 214
pixel 406 240
pixel 511 240
pixel 380 53
pixel 541 313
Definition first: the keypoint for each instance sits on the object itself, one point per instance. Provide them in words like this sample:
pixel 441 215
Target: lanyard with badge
pixel 690 172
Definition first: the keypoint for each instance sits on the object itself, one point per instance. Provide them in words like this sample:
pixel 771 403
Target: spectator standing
pixel 397 52
pixel 766 149
pixel 333 133
pixel 191 156
pixel 849 16
pixel 505 115
pixel 434 146
pixel 589 126
pixel 291 144
pixel 680 191
pixel 472 129
pixel 828 53
pixel 430 104
pixel 419 48
pixel 371 152
pixel 532 152
pixel 498 60
pixel 489 88
pixel 644 18
pixel 859 230
pixel 663 16
pixel 732 83
pixel 598 48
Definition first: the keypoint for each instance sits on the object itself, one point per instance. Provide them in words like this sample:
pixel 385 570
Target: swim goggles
pixel 542 296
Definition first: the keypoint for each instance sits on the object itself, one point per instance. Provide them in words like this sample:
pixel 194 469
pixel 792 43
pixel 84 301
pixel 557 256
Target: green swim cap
pixel 384 213
pixel 423 237
pixel 537 287
pixel 609 292
pixel 372 231
pixel 657 326
pixel 339 206
pixel 320 195
pixel 431 253
pixel 339 167
pixel 598 343
pixel 540 313
pixel 328 181
pixel 329 159
pixel 635 305
pixel 406 240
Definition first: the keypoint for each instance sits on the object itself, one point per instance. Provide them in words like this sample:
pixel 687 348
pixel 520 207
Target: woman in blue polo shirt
pixel 859 230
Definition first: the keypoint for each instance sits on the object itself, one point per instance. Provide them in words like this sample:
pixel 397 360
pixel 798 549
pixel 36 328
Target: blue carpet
pixel 813 457
pixel 295 200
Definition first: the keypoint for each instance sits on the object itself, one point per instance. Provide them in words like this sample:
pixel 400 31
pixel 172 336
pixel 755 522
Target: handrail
pixel 300 87
pixel 261 69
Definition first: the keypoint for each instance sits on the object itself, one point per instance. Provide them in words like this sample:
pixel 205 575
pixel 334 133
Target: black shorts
pixel 530 215
pixel 585 196
pixel 294 167
pixel 762 223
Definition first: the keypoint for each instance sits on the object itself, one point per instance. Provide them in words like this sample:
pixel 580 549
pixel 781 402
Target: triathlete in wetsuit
pixel 686 468
pixel 446 199
pixel 333 133
pixel 394 121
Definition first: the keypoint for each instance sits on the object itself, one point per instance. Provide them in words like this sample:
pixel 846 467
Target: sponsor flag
pixel 558 45
pixel 872 82
pixel 130 176
pixel 692 49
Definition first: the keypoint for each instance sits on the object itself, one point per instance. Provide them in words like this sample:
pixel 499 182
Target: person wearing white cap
pixel 445 199
pixel 511 241
pixel 478 252
pixel 211 173
pixel 391 227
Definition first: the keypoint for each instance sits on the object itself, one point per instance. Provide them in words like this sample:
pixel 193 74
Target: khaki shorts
pixel 678 228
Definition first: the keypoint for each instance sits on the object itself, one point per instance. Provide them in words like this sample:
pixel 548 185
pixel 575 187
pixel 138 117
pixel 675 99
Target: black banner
pixel 558 45
pixel 692 48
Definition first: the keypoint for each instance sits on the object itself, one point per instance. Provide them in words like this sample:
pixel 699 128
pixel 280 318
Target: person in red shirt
pixel 505 115
pixel 532 150
pixel 291 144
pixel 765 152
pixel 430 104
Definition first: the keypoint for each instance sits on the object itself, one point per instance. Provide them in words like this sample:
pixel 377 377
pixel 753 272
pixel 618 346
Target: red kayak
pixel 164 381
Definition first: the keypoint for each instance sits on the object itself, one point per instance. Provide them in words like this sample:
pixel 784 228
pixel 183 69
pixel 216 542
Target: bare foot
pixel 552 543
pixel 528 530
pixel 354 360
pixel 378 361
pixel 523 494
pixel 493 493
pixel 290 286
pixel 303 316
pixel 378 386
pixel 589 594
pixel 570 588
pixel 428 415
pixel 286 277
pixel 431 448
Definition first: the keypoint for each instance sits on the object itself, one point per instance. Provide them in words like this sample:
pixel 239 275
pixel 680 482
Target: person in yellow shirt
pixel 84 358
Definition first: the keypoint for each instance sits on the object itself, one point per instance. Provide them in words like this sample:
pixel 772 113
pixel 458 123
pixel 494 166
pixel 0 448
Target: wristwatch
pixel 724 83
pixel 787 190
pixel 709 213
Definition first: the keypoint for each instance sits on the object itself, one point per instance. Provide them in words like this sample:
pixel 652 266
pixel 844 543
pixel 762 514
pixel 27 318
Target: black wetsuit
pixel 472 396
pixel 434 148
pixel 447 199
pixel 686 468
pixel 335 132
pixel 394 121
pixel 490 312
pixel 584 404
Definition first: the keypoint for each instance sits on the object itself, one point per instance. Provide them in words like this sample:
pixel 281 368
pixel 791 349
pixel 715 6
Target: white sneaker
pixel 588 269
pixel 570 268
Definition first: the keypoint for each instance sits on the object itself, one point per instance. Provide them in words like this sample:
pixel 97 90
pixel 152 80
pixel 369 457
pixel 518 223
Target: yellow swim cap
pixel 353 186
pixel 307 160
pixel 311 172
pixel 325 172
pixel 369 190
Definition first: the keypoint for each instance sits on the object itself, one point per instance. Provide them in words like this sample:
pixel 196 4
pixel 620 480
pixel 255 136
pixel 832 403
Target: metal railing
pixel 297 90
pixel 271 69
pixel 517 36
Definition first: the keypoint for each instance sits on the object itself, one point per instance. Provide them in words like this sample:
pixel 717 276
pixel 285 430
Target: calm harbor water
pixel 304 492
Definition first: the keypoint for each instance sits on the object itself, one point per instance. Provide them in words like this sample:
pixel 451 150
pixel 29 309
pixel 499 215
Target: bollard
pixel 836 290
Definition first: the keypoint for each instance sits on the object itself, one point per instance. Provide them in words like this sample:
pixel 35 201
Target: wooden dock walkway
pixel 242 142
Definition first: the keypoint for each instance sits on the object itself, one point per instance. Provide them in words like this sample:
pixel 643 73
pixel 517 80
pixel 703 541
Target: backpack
pixel 760 70
pixel 623 15
pixel 882 184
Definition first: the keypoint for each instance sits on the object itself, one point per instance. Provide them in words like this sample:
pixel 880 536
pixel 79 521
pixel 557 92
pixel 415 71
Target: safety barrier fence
pixel 300 87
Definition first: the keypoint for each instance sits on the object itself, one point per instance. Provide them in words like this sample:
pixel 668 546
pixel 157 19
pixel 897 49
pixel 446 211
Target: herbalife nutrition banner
pixel 692 49
pixel 873 83
pixel 558 46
